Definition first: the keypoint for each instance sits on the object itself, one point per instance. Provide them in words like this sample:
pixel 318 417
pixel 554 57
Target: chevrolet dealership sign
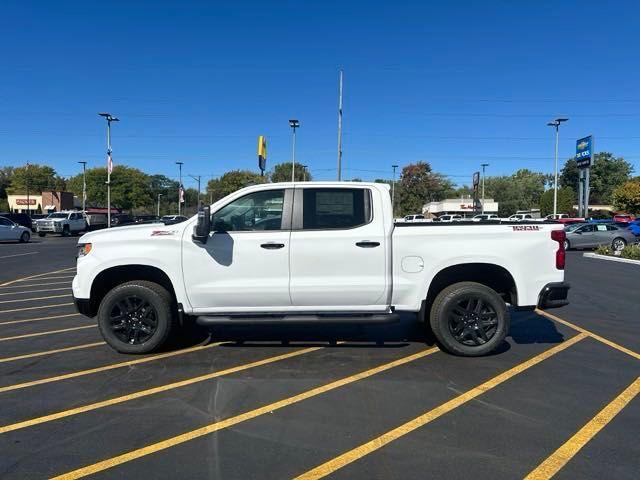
pixel 584 151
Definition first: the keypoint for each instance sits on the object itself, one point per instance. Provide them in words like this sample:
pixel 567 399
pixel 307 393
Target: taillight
pixel 559 236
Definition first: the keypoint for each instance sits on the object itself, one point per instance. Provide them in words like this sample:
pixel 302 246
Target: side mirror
pixel 203 226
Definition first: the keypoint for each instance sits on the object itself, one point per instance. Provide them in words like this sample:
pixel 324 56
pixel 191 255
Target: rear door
pixel 338 252
pixel 584 236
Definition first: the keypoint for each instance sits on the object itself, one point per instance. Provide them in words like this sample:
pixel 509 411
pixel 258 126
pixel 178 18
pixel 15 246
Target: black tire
pixel 618 243
pixel 469 319
pixel 25 237
pixel 152 315
pixel 65 231
pixel 41 234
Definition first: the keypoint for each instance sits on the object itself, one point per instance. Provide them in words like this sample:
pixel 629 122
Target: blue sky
pixel 452 83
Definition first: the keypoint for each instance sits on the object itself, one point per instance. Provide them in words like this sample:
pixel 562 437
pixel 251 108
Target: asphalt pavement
pixel 558 398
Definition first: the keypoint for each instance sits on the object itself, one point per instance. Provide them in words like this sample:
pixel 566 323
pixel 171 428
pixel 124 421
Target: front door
pixel 244 266
pixel 338 250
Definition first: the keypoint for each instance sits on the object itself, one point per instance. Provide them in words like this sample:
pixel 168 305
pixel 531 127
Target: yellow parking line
pixel 128 363
pixel 36 308
pixel 50 332
pixel 37 284
pixel 243 417
pixel 50 278
pixel 50 352
pixel 595 336
pixel 35 291
pixel 35 276
pixel 34 299
pixel 571 447
pixel 427 417
pixel 12 322
pixel 153 391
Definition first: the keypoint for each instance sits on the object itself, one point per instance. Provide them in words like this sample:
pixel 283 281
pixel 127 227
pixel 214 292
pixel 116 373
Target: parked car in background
pixel 34 218
pixel 520 217
pixel 564 218
pixel 20 218
pixel 119 219
pixel 414 218
pixel 591 235
pixel 448 218
pixel 146 219
pixel 173 219
pixel 11 231
pixel 65 223
pixel 623 218
pixel 485 217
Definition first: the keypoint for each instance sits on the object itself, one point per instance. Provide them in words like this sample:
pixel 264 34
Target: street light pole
pixel 556 124
pixel 28 204
pixel 293 124
pixel 179 184
pixel 393 191
pixel 158 214
pixel 483 165
pixel 109 118
pixel 84 185
pixel 340 129
pixel 304 172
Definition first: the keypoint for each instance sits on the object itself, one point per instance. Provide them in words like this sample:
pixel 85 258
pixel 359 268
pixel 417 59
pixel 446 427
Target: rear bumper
pixel 554 295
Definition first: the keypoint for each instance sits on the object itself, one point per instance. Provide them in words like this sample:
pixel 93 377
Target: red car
pixel 623 218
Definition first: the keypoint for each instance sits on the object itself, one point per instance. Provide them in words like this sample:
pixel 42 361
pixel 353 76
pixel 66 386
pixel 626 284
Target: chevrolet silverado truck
pixel 64 223
pixel 316 252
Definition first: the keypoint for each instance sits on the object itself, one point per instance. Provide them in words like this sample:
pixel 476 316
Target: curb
pixel 611 259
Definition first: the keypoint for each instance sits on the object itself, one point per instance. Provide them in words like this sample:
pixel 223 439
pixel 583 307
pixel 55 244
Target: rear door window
pixel 335 208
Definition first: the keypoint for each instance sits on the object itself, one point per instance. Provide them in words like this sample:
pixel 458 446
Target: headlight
pixel 83 249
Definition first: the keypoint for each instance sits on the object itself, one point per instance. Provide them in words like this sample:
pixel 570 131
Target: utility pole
pixel 197 177
pixel 556 124
pixel 84 185
pixel 109 118
pixel 180 189
pixel 483 165
pixel 28 204
pixel 304 172
pixel 158 214
pixel 393 191
pixel 340 129
pixel 293 124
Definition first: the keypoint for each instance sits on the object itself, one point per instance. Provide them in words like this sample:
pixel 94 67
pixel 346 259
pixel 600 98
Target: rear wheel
pixel 136 317
pixel 618 244
pixel 469 319
pixel 567 245
pixel 25 237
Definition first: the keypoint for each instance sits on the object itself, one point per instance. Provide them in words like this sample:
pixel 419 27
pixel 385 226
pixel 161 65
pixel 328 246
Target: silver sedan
pixel 10 230
pixel 591 235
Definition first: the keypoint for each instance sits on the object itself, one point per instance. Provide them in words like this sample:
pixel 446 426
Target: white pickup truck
pixel 316 252
pixel 64 223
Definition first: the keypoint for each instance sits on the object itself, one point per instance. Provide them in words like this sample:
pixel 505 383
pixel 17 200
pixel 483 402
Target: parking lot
pixel 559 398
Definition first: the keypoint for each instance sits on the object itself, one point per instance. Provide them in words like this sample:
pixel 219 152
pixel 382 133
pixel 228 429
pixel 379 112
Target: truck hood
pixel 123 234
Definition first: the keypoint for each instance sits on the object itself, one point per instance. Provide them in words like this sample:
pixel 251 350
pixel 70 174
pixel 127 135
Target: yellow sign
pixel 262 152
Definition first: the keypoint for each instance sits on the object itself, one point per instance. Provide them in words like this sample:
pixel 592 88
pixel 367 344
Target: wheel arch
pixel 491 275
pixel 117 275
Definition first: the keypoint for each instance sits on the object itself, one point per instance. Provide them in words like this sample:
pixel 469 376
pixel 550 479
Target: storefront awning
pixel 50 207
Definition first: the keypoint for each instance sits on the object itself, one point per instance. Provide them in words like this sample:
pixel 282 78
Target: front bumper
pixel 554 295
pixel 49 228
pixel 83 306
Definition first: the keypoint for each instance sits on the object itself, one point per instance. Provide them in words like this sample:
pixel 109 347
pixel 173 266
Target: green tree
pixel 566 197
pixel 607 173
pixel 282 173
pixel 420 185
pixel 130 187
pixel 626 197
pixel 520 191
pixel 5 181
pixel 218 188
pixel 37 177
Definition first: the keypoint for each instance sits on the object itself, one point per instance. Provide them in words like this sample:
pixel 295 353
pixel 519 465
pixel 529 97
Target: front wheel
pixel 618 244
pixel 469 319
pixel 566 245
pixel 136 317
pixel 65 231
pixel 41 234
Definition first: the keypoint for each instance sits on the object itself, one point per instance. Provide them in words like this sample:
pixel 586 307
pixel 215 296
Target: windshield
pixel 57 215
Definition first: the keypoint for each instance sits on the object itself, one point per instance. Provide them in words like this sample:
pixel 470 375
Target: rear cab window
pixel 332 208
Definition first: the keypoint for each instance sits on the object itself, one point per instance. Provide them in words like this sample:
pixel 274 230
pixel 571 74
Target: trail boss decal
pixel 519 228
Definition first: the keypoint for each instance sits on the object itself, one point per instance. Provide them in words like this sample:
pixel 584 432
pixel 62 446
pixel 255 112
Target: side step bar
pixel 210 320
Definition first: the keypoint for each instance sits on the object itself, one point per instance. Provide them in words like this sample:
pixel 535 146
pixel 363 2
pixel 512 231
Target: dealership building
pixel 47 202
pixel 458 206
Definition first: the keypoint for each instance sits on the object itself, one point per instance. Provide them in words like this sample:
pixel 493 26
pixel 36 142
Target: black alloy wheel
pixel 472 321
pixel 133 320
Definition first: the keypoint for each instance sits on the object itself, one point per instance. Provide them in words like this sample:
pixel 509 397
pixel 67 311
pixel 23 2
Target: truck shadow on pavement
pixel 526 328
